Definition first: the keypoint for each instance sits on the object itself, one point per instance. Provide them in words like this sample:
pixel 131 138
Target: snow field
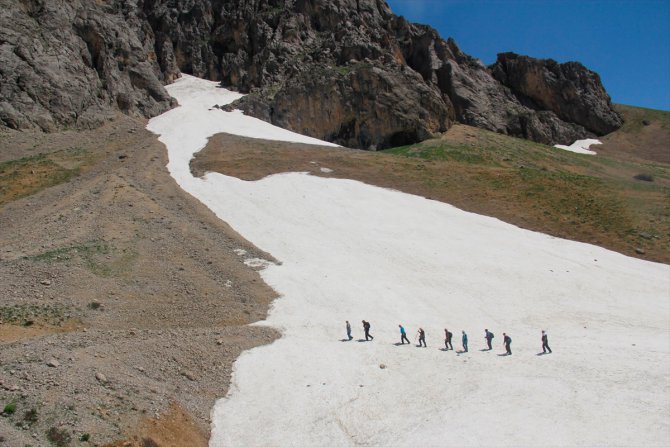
pixel 351 251
pixel 580 146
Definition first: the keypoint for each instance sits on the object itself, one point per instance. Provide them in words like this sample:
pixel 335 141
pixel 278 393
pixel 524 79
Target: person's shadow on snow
pixel 362 340
pixel 484 350
pixel 400 344
pixel 543 353
pixel 346 339
pixel 504 354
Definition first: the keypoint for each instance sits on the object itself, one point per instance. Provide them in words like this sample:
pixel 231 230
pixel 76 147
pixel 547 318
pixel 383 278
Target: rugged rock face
pixel 347 71
pixel 570 90
pixel 303 67
pixel 73 63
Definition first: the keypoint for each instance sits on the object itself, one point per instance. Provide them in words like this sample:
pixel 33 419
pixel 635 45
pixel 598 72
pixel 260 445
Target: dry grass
pixel 585 198
pixel 28 175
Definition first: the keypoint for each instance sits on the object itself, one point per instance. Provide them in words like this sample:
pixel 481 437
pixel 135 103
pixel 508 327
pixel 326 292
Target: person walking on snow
pixel 349 331
pixel 488 336
pixel 545 343
pixel 366 328
pixel 447 340
pixel 403 335
pixel 464 340
pixel 422 338
pixel 507 341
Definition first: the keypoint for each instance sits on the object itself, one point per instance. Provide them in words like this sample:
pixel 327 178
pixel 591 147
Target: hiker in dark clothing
pixel 403 335
pixel 464 340
pixel 488 336
pixel 422 338
pixel 545 343
pixel 447 340
pixel 349 331
pixel 507 341
pixel 366 328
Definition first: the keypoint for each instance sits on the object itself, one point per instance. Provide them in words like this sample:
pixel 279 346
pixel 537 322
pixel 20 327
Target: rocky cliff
pixel 347 71
pixel 73 63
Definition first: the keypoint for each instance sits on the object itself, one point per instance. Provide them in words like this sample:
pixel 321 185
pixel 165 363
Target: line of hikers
pixel 421 334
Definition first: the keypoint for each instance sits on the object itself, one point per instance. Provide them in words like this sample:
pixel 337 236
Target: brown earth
pixel 130 285
pixel 174 429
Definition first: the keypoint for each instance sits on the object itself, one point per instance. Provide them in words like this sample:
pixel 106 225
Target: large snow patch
pixel 351 251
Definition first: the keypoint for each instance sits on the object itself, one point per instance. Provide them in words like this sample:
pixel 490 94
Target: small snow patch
pixel 326 170
pixel 240 252
pixel 228 283
pixel 580 146
pixel 257 263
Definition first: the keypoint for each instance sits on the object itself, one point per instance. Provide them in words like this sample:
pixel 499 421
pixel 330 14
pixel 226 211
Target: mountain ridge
pixel 347 71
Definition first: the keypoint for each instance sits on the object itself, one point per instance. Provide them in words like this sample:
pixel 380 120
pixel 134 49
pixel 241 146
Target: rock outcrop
pixel 347 71
pixel 574 93
pixel 304 69
pixel 73 63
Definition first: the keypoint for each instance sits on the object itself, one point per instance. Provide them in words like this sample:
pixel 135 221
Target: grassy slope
pixel 588 198
pixel 645 135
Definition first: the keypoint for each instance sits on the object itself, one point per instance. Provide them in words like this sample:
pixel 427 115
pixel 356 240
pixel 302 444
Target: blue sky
pixel 627 42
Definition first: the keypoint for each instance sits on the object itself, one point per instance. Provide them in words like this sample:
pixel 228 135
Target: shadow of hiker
pixel 484 350
pixel 503 354
pixel 346 339
pixel 362 340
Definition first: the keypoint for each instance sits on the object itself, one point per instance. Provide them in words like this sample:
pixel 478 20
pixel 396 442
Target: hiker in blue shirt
pixel 403 335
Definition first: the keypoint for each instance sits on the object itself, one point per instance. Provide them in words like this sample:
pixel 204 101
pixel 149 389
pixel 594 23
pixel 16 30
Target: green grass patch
pixel 99 258
pixel 120 263
pixel 26 314
pixel 10 408
pixel 432 152
pixel 29 175
pixel 67 253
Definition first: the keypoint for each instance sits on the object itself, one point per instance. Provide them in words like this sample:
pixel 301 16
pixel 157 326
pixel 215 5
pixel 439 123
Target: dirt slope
pixel 132 290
